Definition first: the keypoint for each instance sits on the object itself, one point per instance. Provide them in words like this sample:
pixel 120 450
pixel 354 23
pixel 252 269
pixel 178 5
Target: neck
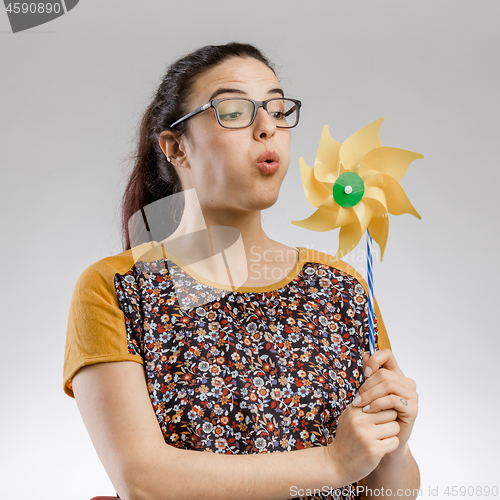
pixel 199 222
pixel 211 242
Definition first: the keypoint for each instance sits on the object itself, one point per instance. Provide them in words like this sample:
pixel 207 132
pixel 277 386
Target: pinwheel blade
pixel 315 192
pixel 358 144
pixel 379 230
pixel 397 201
pixel 326 165
pixel 375 197
pixel 349 237
pixel 321 220
pixel 391 161
pixel 364 214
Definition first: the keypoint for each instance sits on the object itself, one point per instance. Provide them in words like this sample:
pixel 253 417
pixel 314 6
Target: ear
pixel 171 144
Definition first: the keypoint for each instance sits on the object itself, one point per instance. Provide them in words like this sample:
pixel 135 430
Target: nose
pixel 264 126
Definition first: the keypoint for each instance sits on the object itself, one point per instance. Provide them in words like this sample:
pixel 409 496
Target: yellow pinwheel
pixel 355 185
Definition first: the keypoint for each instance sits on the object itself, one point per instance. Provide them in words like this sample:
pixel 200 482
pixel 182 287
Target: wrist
pixel 335 477
pixel 399 455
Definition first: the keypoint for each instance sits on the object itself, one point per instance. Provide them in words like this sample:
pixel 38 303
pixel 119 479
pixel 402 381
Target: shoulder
pixel 344 269
pixel 337 266
pixel 97 330
pixel 101 273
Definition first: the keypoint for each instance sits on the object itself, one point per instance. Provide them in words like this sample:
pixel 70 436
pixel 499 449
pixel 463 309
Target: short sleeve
pixel 96 331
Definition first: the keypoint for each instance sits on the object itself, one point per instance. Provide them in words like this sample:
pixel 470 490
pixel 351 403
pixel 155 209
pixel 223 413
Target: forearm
pixel 199 475
pixel 397 475
pixel 116 408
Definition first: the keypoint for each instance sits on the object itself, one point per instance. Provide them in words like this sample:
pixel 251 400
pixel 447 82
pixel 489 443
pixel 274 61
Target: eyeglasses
pixel 240 112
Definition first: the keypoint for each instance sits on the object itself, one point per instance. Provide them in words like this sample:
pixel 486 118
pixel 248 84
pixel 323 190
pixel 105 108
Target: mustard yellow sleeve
pixel 96 331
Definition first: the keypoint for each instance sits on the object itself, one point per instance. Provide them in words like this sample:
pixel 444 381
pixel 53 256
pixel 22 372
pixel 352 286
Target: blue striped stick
pixel 371 314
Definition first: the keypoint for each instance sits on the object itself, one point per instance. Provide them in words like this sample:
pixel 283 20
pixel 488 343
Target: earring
pixel 170 158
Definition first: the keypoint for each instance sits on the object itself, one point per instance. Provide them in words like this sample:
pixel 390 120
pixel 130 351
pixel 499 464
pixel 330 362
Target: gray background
pixel 72 94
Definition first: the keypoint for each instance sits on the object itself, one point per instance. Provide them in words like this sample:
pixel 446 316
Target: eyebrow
pixel 239 91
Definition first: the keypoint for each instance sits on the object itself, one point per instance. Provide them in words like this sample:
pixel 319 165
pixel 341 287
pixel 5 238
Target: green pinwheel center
pixel 348 189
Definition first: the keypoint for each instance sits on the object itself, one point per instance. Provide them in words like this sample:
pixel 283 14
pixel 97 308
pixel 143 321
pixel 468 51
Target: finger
pixel 383 383
pixel 397 403
pixel 366 357
pixel 382 358
pixel 384 416
pixel 386 430
pixel 389 445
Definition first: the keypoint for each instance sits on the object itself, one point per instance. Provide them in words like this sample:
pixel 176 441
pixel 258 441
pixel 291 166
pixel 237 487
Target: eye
pixel 235 110
pixel 234 115
pixel 278 115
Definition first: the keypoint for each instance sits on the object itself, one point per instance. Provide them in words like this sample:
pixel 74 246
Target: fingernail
pixel 356 401
pixel 366 408
pixel 368 371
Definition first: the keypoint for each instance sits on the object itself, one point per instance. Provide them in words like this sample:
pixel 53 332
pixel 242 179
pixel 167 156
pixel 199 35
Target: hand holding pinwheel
pixel 354 186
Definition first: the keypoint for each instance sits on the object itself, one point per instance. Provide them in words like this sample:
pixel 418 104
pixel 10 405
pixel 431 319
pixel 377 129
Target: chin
pixel 266 202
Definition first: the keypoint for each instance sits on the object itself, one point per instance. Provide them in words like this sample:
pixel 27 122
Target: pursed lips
pixel 268 162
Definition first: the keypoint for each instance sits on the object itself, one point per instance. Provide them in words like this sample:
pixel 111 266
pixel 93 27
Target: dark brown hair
pixel 153 177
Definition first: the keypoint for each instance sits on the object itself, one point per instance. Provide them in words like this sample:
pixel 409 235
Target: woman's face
pixel 222 164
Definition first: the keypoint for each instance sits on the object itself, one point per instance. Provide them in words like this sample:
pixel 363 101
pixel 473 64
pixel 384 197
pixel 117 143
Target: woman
pixel 242 371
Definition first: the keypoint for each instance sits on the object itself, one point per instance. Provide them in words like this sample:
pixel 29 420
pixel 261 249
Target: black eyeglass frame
pixel 256 105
